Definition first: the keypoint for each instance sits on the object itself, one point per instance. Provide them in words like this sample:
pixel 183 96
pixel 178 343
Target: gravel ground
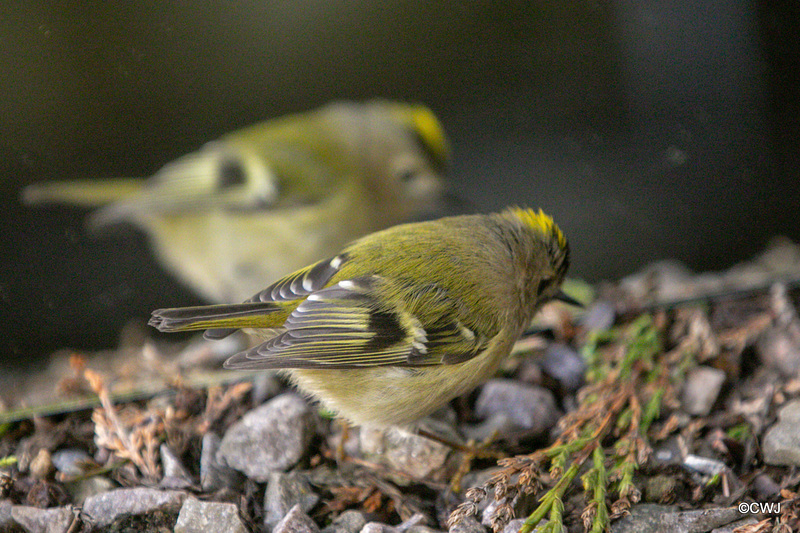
pixel 670 403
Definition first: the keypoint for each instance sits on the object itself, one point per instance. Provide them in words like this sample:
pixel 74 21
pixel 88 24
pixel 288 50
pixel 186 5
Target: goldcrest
pixel 268 199
pixel 402 320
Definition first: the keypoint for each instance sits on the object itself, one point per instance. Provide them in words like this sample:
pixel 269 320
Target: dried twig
pixel 624 396
pixel 137 441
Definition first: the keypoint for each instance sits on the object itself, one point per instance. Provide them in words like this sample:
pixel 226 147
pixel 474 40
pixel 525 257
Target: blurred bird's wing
pixel 347 325
pixel 217 176
pixel 224 176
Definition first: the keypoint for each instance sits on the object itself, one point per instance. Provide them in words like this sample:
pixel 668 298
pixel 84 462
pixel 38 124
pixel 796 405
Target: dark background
pixel 649 130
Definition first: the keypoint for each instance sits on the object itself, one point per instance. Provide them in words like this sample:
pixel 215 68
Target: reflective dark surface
pixel 648 130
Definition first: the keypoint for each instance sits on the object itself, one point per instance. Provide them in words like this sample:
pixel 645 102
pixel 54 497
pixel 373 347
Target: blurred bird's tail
pixel 218 320
pixel 83 193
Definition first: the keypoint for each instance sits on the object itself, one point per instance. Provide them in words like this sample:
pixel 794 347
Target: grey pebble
pixel 417 456
pixel 467 525
pixel 645 518
pixel 733 526
pixel 514 525
pixel 777 348
pixel 283 492
pixel 765 487
pixel 296 521
pixel 5 515
pixel 270 438
pixel 700 520
pixel 103 509
pixel 175 474
pixel 33 519
pixel 529 407
pixel 71 461
pixel 599 316
pixel 213 475
pixel 564 365
pixel 266 385
pixel 668 453
pixel 781 444
pixel 418 519
pixel 208 517
pixel 348 522
pixel 701 390
pixel 377 527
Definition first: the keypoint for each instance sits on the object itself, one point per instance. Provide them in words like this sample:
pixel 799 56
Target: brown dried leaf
pixel 344 497
pixel 588 514
pixel 765 526
pixel 620 508
pixel 372 503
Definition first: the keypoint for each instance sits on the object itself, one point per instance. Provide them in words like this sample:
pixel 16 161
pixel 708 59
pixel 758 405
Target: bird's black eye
pixel 545 283
pixel 231 173
pixel 407 175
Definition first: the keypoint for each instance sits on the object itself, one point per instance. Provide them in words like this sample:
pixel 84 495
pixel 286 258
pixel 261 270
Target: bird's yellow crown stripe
pixel 427 127
pixel 540 222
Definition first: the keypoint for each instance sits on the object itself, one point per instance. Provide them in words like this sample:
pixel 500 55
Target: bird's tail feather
pixel 85 193
pixel 221 319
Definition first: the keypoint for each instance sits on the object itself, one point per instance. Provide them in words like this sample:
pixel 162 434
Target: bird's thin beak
pixel 566 298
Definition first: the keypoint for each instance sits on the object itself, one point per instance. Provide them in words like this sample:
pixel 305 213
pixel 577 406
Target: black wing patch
pixel 453 342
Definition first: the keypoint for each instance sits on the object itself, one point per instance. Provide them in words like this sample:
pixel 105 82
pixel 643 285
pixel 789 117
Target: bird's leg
pixel 470 451
pixel 341 455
